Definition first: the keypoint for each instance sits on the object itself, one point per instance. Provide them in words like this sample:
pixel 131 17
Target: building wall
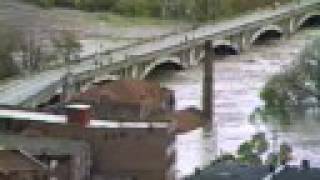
pixel 24 175
pixel 112 110
pixel 135 153
pixel 110 104
pixel 76 167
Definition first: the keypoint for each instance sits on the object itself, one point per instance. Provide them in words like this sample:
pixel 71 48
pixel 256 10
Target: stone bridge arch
pixel 304 19
pixel 272 31
pixel 225 48
pixel 151 67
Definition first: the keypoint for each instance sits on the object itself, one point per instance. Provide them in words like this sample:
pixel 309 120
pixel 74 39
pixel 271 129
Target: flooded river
pixel 238 82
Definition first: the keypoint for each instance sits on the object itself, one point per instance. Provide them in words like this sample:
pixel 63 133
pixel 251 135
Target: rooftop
pixel 124 91
pixel 295 173
pixel 16 160
pixel 39 145
pixel 62 119
pixel 235 171
pixel 231 171
pixel 31 116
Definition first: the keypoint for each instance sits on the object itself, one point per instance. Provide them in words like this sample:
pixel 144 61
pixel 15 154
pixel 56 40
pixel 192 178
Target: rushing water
pixel 238 82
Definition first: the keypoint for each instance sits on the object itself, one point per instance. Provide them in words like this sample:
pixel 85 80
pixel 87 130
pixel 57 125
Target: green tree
pixel 9 44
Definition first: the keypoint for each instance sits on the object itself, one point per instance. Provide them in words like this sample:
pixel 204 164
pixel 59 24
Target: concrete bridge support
pixel 186 56
pixel 245 45
pixel 287 27
pixel 130 72
pixel 135 71
pixel 193 59
pixel 199 53
pixel 207 97
pixel 292 25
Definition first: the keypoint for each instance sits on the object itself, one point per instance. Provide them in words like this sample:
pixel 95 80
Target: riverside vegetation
pixel 299 85
pixel 197 10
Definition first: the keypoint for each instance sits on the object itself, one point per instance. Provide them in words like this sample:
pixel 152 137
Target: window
pixel 106 136
pixel 123 134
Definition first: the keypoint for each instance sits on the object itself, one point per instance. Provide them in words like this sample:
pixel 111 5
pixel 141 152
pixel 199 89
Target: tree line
pixel 199 10
pixel 27 51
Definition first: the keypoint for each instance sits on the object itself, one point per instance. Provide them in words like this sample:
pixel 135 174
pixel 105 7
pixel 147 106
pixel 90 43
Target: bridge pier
pixel 190 56
pixel 127 73
pixel 193 59
pixel 288 28
pixel 185 56
pixel 245 45
pixel 135 72
pixel 131 72
pixel 292 25
pixel 198 55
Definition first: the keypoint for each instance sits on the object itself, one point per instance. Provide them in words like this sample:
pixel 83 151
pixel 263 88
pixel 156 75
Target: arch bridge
pixel 231 41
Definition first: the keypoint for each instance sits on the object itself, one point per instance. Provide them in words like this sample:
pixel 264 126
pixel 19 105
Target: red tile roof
pixel 125 91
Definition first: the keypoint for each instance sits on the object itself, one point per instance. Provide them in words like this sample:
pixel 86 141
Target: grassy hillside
pixel 200 10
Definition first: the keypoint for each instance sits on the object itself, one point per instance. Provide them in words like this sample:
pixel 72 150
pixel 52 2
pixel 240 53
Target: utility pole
pixel 210 129
pixel 208 96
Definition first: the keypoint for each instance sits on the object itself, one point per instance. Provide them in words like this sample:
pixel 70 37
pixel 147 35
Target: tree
pixel 249 152
pixel 67 43
pixel 9 44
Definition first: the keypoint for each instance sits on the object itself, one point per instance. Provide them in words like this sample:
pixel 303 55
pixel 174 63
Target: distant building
pixel 120 150
pixel 18 165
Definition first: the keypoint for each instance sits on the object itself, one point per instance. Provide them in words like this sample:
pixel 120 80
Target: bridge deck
pixel 22 89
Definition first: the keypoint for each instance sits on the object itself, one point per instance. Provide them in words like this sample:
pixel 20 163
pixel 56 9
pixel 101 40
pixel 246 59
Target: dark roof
pixel 40 145
pixel 15 160
pixel 231 171
pixel 234 171
pixel 294 173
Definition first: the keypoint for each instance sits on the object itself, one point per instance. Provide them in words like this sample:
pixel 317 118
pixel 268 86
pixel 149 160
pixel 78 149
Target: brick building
pixel 120 150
